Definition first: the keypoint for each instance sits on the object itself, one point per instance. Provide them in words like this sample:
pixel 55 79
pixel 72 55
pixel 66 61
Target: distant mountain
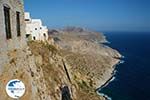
pixel 79 33
pixel 74 29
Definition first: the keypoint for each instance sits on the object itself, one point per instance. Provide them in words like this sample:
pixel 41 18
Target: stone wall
pixel 15 42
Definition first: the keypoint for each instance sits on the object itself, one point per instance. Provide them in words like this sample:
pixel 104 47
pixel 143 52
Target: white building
pixel 34 29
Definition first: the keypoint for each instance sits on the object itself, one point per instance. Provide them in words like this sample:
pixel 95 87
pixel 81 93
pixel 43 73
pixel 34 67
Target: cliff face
pixel 56 75
pixel 20 64
pixel 70 69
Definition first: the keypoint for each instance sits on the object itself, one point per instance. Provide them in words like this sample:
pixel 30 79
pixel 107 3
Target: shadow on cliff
pixel 65 93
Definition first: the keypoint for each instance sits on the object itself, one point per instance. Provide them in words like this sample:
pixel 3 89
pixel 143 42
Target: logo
pixel 15 88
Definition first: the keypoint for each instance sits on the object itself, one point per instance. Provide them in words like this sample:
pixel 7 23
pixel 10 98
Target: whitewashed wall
pixel 35 28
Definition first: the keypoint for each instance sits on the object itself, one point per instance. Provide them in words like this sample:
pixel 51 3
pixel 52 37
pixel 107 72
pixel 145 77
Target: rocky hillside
pixel 77 33
pixel 90 63
pixel 72 68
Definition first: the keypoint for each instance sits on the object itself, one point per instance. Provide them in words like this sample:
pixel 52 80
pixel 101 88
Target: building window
pixel 7 22
pixel 34 38
pixel 28 35
pixel 18 23
pixel 44 35
pixel 27 20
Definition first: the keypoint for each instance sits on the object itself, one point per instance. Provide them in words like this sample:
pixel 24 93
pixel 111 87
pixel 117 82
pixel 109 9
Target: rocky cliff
pixel 72 68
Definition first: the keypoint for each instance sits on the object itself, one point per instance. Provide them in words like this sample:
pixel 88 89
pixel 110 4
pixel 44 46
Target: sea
pixel 132 77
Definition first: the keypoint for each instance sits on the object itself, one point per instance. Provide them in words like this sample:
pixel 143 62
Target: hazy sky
pixel 103 15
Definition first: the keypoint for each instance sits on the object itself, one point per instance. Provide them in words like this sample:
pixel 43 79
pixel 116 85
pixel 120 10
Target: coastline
pixel 111 79
pixel 97 73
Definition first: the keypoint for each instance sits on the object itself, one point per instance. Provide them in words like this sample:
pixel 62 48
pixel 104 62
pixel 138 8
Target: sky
pixel 100 15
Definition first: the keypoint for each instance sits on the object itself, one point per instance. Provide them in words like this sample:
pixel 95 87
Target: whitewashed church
pixel 34 29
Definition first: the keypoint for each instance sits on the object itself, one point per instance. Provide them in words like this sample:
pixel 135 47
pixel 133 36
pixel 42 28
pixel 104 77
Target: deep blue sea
pixel 133 76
